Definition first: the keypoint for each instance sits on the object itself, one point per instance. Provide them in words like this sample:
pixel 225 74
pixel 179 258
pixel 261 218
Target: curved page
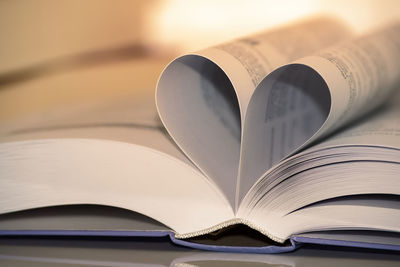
pixel 374 138
pixel 321 183
pixel 301 102
pixel 342 213
pixel 202 98
pixel 81 171
pixel 368 150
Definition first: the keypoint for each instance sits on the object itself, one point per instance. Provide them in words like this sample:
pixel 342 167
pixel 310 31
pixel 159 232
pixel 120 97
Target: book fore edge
pixel 229 223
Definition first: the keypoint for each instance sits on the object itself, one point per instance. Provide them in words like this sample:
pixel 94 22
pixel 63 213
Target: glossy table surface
pixel 160 252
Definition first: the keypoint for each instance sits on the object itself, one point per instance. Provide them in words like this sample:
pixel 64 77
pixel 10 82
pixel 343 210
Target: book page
pixel 311 178
pixel 306 100
pixel 131 120
pixel 52 172
pixel 79 104
pixel 381 129
pixel 374 137
pixel 362 212
pixel 202 97
pixel 363 158
pixel 247 61
pixel 112 100
pixel 109 150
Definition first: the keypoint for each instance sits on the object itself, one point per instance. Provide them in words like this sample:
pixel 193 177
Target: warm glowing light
pixel 193 25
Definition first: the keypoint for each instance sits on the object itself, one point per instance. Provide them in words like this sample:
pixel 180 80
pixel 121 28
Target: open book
pixel 289 132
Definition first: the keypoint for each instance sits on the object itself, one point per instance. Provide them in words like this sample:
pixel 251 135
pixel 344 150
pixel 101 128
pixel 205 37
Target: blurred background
pixel 56 53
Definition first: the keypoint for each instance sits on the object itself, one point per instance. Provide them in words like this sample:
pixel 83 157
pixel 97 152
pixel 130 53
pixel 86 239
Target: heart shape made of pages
pixel 200 109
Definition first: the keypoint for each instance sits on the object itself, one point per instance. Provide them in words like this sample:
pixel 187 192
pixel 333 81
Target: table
pixel 160 252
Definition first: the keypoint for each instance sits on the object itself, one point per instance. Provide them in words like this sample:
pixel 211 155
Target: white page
pixel 319 184
pixel 131 120
pixel 381 128
pixel 349 80
pixel 373 141
pixel 247 61
pixel 202 97
pixel 376 137
pixel 48 172
pixel 112 151
pixel 293 106
pixel 365 213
